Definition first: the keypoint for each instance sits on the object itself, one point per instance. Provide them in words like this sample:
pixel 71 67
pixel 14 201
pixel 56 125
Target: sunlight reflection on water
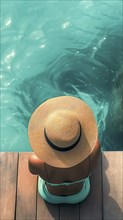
pixel 61 48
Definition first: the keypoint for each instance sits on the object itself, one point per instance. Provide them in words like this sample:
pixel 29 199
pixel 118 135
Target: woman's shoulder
pixel 37 166
pixel 86 166
pixel 96 151
pixel 94 156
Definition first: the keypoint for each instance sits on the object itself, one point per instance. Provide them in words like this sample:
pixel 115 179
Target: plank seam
pixel 36 197
pixel 79 211
pixel 102 183
pixel 16 186
pixel 59 213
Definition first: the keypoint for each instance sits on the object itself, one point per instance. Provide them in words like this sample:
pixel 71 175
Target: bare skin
pixel 59 175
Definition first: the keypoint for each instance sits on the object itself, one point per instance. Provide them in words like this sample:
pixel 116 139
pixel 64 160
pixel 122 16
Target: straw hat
pixel 62 131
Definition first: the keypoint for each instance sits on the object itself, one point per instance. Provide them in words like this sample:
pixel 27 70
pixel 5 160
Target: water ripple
pixel 61 48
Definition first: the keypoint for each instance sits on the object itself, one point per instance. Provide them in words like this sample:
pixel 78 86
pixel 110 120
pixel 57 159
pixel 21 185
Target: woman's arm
pixel 32 164
pixel 36 166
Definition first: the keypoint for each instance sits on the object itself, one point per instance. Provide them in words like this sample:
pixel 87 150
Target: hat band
pixel 60 148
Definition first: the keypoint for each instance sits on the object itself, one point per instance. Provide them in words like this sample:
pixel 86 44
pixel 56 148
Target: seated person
pixel 64 137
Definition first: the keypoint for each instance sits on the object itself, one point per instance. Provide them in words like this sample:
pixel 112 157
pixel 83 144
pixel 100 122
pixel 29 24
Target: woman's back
pixel 69 180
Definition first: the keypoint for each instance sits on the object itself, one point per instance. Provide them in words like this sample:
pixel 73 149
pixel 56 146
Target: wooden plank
pixel 8 177
pixel 46 211
pixel 69 212
pixel 26 190
pixel 91 208
pixel 112 185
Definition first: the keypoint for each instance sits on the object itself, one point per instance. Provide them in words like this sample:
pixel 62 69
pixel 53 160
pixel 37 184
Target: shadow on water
pixel 95 77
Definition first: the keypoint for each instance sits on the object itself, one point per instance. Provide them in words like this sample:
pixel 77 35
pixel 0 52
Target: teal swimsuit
pixel 72 199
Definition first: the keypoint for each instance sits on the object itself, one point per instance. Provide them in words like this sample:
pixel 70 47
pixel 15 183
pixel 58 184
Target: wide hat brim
pixel 86 143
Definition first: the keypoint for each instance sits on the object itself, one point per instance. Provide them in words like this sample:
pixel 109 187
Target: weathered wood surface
pixel 8 179
pixel 112 185
pixel 46 211
pixel 91 208
pixel 26 190
pixel 19 199
pixel 69 212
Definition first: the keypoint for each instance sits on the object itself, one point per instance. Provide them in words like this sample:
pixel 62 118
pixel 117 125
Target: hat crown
pixel 62 128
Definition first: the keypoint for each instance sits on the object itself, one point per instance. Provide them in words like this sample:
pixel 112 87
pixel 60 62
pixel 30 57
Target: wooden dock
pixel 20 199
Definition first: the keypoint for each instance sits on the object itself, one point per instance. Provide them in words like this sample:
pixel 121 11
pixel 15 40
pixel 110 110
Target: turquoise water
pixel 52 48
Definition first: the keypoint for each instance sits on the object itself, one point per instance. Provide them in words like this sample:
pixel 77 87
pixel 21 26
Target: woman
pixel 63 134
